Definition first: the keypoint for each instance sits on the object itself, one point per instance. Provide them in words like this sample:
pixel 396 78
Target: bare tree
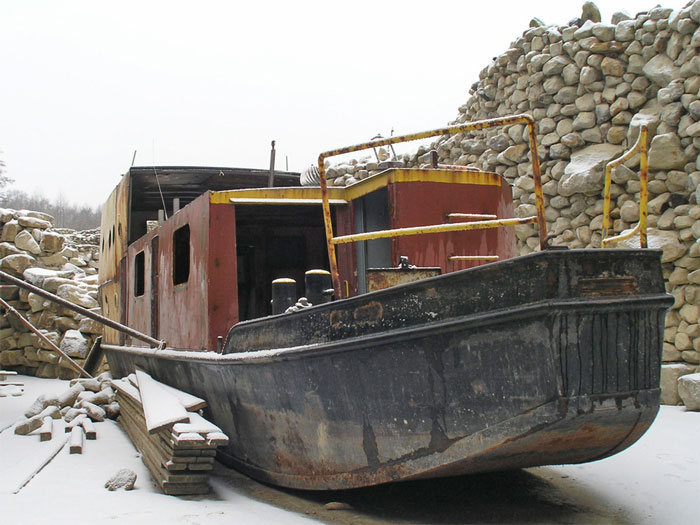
pixel 5 180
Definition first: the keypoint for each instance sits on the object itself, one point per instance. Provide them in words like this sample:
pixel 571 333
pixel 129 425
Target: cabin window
pixel 181 255
pixel 139 274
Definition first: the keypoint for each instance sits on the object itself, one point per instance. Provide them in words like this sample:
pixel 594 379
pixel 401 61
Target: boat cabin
pixel 189 252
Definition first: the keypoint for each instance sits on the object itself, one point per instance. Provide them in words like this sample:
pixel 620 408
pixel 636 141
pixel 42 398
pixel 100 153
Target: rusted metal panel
pixel 113 244
pixel 221 278
pixel 380 278
pixel 408 208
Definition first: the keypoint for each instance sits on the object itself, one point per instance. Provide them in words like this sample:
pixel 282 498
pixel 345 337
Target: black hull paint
pixel 545 359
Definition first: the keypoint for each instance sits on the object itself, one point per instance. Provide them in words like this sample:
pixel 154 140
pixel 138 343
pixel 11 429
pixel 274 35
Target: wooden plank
pixel 160 408
pixel 190 402
pixel 76 440
pixel 46 430
pixel 89 428
pixel 126 388
pixel 196 424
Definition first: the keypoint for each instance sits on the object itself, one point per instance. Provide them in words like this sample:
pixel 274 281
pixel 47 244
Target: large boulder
pixel 665 240
pixel 661 70
pixel 689 390
pixel 584 174
pixel 16 264
pixel 666 153
pixel 74 344
pixel 669 381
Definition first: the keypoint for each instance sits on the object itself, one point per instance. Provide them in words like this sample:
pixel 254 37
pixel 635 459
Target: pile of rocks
pixel 589 85
pixel 32 249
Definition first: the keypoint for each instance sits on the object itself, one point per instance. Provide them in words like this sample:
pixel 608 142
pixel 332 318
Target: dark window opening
pixel 139 274
pixel 181 255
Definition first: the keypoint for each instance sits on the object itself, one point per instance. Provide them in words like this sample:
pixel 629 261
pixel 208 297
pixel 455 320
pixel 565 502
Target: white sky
pixel 84 84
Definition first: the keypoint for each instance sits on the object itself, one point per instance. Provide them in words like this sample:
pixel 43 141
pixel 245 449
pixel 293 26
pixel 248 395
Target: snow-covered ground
pixel 655 481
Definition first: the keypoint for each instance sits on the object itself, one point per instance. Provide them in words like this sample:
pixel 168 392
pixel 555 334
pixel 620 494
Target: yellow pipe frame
pixel 451 130
pixel 641 227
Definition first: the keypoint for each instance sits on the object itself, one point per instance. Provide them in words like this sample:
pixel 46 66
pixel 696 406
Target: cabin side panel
pixel 427 203
pixel 139 289
pixel 113 246
pixel 182 286
pixel 221 269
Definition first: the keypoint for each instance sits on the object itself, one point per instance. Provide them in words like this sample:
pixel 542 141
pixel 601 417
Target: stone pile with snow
pixel 60 261
pixel 589 85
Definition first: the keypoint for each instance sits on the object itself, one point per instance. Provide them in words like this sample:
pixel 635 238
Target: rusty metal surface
pixel 193 313
pixel 641 228
pixel 502 366
pixel 380 278
pixel 473 126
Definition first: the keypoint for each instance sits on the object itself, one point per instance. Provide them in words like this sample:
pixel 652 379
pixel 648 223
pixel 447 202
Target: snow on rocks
pixel 52 259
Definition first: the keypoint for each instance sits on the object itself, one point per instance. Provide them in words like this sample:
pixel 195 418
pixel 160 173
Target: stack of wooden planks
pixel 176 443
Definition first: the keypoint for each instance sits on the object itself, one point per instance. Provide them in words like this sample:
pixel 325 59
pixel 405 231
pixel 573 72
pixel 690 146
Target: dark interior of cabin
pixel 274 242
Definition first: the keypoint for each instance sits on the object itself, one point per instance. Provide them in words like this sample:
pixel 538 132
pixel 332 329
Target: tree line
pixel 65 214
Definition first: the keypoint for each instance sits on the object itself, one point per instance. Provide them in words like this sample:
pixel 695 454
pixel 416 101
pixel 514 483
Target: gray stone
pixel 695 11
pixel 590 12
pixel 33 222
pixel 52 242
pixel 10 231
pixel 649 117
pixel 123 479
pixel 666 153
pixel 585 31
pixel 661 70
pixel 25 241
pixel 671 93
pixel 619 16
pixel 613 67
pixel 584 120
pixel 669 381
pixel 16 264
pixel 555 65
pixel 75 295
pixel 584 174
pixel 498 142
pixel 624 31
pixel 74 344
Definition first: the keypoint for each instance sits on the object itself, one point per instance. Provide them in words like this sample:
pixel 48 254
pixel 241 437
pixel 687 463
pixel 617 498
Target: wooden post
pixel 76 440
pixel 46 430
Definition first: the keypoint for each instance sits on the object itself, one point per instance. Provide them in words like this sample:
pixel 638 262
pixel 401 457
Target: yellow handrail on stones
pixel 331 241
pixel 641 226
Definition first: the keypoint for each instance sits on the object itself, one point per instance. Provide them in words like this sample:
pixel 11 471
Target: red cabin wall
pixel 221 270
pixel 192 314
pixel 426 203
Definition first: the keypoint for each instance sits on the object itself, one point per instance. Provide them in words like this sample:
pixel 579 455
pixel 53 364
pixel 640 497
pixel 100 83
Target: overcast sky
pixel 84 84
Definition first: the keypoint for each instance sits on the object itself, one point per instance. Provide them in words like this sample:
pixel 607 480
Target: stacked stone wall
pixel 63 262
pixel 589 85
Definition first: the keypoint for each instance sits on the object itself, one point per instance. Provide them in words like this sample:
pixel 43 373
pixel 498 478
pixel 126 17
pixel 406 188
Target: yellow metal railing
pixel 641 226
pixel 332 241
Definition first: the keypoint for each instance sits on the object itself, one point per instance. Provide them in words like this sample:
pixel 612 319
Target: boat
pixel 431 349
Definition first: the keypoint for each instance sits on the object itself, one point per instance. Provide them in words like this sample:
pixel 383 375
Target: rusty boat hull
pixel 549 358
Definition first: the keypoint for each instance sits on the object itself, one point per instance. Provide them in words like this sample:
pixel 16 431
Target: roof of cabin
pixel 189 182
